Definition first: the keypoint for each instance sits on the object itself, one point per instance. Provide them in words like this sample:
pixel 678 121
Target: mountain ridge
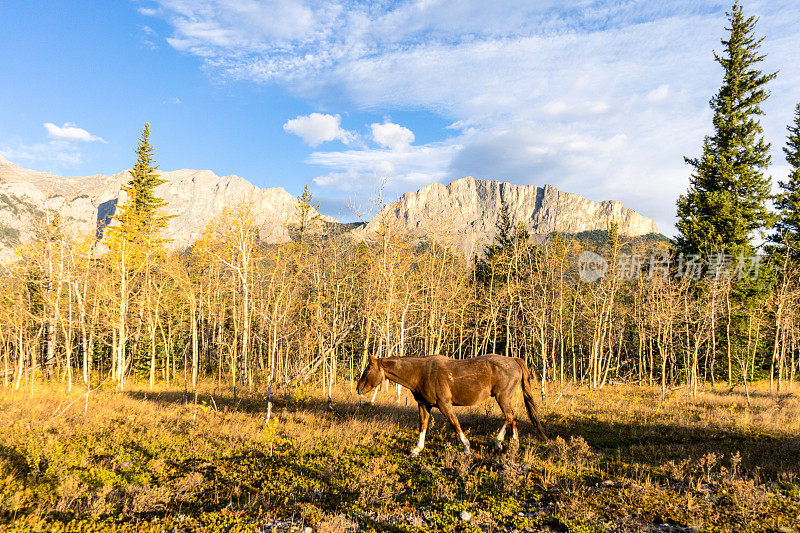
pixel 464 211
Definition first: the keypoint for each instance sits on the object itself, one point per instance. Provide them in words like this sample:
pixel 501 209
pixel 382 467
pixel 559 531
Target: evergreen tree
pixel 141 212
pixel 308 217
pixel 786 238
pixel 726 200
pixel 508 240
pixel 504 239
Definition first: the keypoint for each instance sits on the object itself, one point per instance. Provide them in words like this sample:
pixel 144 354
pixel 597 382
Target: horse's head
pixel 371 377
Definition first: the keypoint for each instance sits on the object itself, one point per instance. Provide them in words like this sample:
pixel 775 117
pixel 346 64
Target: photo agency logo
pixel 592 266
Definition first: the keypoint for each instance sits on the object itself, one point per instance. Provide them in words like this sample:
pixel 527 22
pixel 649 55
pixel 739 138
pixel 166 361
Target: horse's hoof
pixel 415 452
pixel 498 446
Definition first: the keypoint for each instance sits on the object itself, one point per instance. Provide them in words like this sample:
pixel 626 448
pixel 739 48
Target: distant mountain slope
pixel 466 211
pixel 194 196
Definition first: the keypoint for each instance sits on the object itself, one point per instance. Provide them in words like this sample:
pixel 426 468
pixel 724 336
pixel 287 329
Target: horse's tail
pixel 527 393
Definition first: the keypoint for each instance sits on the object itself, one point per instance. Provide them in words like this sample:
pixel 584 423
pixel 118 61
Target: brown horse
pixel 444 383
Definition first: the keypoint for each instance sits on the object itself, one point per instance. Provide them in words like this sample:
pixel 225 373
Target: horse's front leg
pixel 424 416
pixel 447 410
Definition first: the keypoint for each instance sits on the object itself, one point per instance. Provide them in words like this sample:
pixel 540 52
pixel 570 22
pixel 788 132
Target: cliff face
pixel 465 212
pixel 194 196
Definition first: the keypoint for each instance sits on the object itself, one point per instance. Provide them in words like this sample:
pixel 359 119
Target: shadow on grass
pixel 651 443
pixel 778 397
pixel 19 467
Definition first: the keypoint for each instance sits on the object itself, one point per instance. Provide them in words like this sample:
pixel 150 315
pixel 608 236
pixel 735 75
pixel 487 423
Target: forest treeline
pixel 253 315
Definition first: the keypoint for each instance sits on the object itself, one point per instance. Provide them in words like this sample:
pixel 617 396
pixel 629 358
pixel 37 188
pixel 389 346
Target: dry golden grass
pixel 619 459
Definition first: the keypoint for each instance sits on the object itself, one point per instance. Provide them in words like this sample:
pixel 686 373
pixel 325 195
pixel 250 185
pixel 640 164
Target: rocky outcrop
pixel 464 213
pixel 85 203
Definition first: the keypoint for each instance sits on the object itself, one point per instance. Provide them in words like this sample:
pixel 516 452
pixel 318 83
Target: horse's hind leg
pixel 504 401
pixel 447 410
pixel 424 416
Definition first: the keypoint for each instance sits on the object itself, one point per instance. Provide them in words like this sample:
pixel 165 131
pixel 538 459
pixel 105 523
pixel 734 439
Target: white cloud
pixel 317 128
pixel 537 92
pixel 149 37
pixel 659 94
pixel 70 132
pixel 61 150
pixel 392 136
pixel 397 169
pixel 560 108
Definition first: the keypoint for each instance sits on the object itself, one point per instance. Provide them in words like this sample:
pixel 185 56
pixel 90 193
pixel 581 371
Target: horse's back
pixel 494 362
pixel 475 379
pixel 500 364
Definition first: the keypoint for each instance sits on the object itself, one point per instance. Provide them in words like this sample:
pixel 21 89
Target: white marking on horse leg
pixel 464 441
pixel 420 444
pixel 516 436
pixel 498 441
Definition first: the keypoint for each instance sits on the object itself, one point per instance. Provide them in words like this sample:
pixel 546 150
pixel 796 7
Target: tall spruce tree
pixel 508 241
pixel 503 240
pixel 726 200
pixel 142 210
pixel 308 217
pixel 786 239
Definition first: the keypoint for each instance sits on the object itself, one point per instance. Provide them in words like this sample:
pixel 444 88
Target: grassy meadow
pixel 619 459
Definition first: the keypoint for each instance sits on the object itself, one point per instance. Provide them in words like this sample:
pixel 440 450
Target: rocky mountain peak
pixel 465 212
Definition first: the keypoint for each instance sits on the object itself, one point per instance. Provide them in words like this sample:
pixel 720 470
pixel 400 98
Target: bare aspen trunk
pixel 21 363
pixel 193 318
pixel 572 339
pixel 781 358
pixel 745 357
pixel 235 343
pixel 245 329
pixel 6 369
pixel 153 320
pixel 68 342
pixel 91 343
pixel 84 344
pixel 152 332
pixel 219 346
pixel 365 353
pixel 728 335
pixel 663 373
pixel 794 352
pixel 271 363
pixel 113 369
pixel 121 324
pixel 713 336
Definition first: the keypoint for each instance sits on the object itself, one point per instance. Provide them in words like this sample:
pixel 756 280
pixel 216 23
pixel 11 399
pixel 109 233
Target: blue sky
pixel 599 98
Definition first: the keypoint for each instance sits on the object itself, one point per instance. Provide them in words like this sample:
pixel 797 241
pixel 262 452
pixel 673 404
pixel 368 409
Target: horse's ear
pixel 372 359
